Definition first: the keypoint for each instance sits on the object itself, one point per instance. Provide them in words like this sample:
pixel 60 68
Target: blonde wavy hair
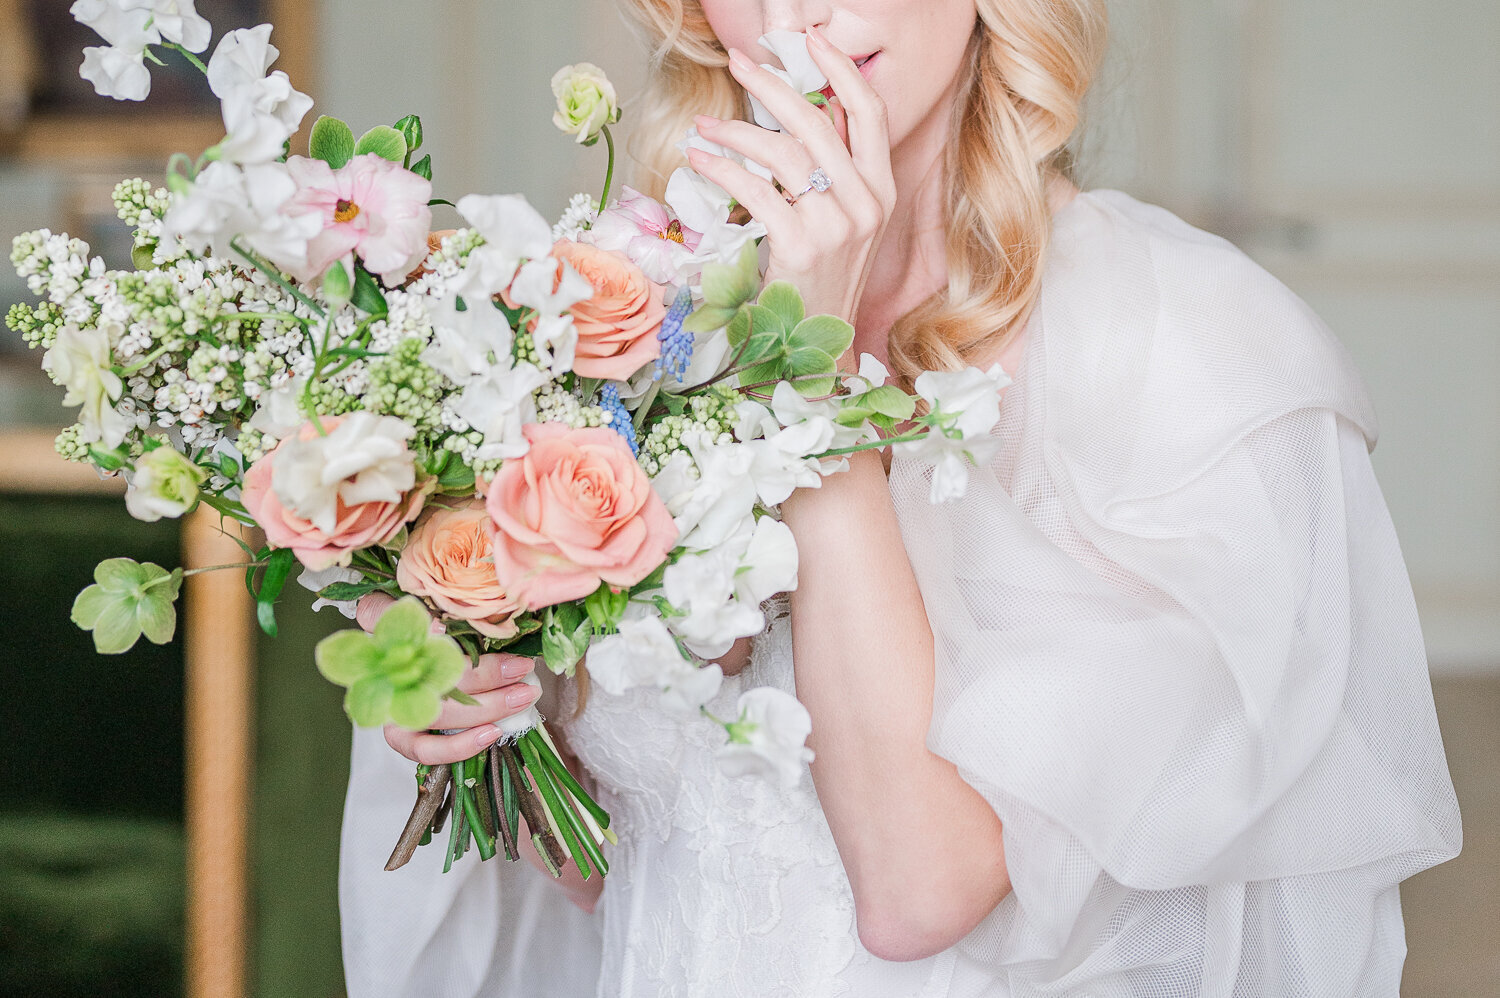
pixel 1029 65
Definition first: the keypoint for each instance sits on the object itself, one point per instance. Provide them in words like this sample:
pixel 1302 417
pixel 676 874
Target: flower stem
pixel 220 568
pixel 190 57
pixel 276 278
pixel 905 438
pixel 609 172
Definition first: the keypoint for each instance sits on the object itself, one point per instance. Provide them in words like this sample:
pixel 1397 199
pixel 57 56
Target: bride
pixel 1145 713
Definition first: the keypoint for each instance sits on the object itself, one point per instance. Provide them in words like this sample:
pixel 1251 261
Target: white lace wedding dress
pixel 1176 651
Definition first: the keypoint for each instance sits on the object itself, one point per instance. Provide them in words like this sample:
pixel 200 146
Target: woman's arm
pixel 922 848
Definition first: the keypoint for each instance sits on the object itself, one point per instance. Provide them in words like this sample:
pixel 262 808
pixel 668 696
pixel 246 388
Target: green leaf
pixel 143 257
pixel 446 663
pixel 341 592
pixel 783 298
pixel 265 616
pixel 332 141
pixel 271 583
pixel 728 285
pixel 737 328
pixel 423 168
pixel 888 400
pixel 346 657
pixel 108 460
pixel 853 415
pixel 827 333
pixel 383 141
pixel 459 696
pixel 458 477
pixel 764 347
pixel 709 318
pixel 368 702
pixel 805 365
pixel 415 708
pixel 367 296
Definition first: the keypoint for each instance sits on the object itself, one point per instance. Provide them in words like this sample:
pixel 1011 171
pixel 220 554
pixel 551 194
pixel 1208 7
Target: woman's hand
pixel 824 243
pixel 500 684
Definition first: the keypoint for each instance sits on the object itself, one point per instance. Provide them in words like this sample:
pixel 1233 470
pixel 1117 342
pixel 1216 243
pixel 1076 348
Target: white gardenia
pixel 79 361
pixel 261 110
pixel 799 71
pixel 513 231
pixel 363 459
pixel 770 737
pixel 226 202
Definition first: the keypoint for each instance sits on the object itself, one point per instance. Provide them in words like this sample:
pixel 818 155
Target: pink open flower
pixel 575 511
pixel 370 207
pixel 648 234
pixel 447 559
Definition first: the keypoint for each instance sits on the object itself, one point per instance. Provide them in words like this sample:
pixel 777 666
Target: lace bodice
pixel 720 885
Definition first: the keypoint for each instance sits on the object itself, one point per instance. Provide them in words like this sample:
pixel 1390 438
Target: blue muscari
pixel 676 342
pixel 619 416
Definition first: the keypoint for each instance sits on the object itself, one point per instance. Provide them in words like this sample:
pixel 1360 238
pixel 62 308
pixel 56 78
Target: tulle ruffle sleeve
pixel 482 930
pixel 1176 646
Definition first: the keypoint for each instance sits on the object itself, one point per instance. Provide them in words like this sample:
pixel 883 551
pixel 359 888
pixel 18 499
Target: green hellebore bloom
pixel 400 673
pixel 128 599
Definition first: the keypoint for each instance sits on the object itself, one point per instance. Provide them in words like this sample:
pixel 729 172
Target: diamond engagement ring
pixel 816 181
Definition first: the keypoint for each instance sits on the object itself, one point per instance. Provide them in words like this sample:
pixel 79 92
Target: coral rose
pixel 617 327
pixel 447 559
pixel 575 511
pixel 351 525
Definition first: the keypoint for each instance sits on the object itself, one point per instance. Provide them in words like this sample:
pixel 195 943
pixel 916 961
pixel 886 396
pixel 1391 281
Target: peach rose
pixel 355 526
pixel 617 327
pixel 576 511
pixel 447 559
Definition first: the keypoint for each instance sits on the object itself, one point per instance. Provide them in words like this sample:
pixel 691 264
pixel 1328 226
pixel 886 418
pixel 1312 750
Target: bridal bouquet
pixel 553 440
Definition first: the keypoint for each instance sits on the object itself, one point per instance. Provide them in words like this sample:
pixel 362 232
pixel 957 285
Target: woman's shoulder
pixel 1175 340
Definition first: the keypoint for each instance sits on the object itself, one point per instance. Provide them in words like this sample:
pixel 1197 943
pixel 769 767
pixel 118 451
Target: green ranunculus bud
pixel 586 101
pixel 399 673
pixel 164 484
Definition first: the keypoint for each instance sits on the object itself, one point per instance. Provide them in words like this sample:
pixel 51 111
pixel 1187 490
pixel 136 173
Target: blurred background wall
pixel 1351 146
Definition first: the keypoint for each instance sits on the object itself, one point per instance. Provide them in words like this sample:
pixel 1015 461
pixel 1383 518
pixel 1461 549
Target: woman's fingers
pixel 370 608
pixel 786 158
pixel 493 705
pixel 799 118
pixel 755 193
pixel 493 672
pixel 869 133
pixel 432 749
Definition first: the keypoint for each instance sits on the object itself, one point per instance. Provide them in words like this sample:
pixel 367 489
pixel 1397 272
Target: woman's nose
pixel 795 15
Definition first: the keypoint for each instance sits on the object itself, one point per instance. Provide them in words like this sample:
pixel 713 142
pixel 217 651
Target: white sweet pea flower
pixel 687 689
pixel 463 342
pixel 872 374
pixel 318 581
pixel 228 202
pixel 261 110
pixel 966 405
pixel 499 404
pixel 117 73
pixel 79 360
pixel 176 20
pixel 798 70
pixel 642 652
pixel 513 231
pixel 163 483
pixel 279 412
pixel 363 459
pixel 769 738
pixel 715 503
pixel 538 285
pixel 556 340
pixel 701 588
pixel 769 564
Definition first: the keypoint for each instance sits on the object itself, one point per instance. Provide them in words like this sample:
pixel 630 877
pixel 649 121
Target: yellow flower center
pixel 674 231
pixel 348 211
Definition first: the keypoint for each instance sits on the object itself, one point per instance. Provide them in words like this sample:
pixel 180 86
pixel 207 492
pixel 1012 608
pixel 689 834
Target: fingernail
pixel 738 61
pixel 521 696
pixel 705 121
pixel 489 736
pixel 515 668
pixel 816 37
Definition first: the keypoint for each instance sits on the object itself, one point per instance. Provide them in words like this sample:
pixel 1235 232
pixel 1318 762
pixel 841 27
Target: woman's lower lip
pixel 869 63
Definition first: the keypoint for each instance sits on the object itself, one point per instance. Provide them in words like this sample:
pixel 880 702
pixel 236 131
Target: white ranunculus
pixel 363 459
pixel 261 110
pixel 639 655
pixel 798 71
pixel 164 483
pixel 499 404
pixel 79 360
pixel 176 20
pixel 513 231
pixel 586 101
pixel 701 588
pixel 769 738
pixel 317 581
pixel 464 341
pixel 116 72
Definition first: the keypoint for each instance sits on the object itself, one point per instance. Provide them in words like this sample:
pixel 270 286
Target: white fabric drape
pixel 1177 649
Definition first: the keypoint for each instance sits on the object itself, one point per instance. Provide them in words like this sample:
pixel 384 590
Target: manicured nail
pixel 521 696
pixel 738 61
pixel 705 121
pixel 815 36
pixel 488 736
pixel 515 668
